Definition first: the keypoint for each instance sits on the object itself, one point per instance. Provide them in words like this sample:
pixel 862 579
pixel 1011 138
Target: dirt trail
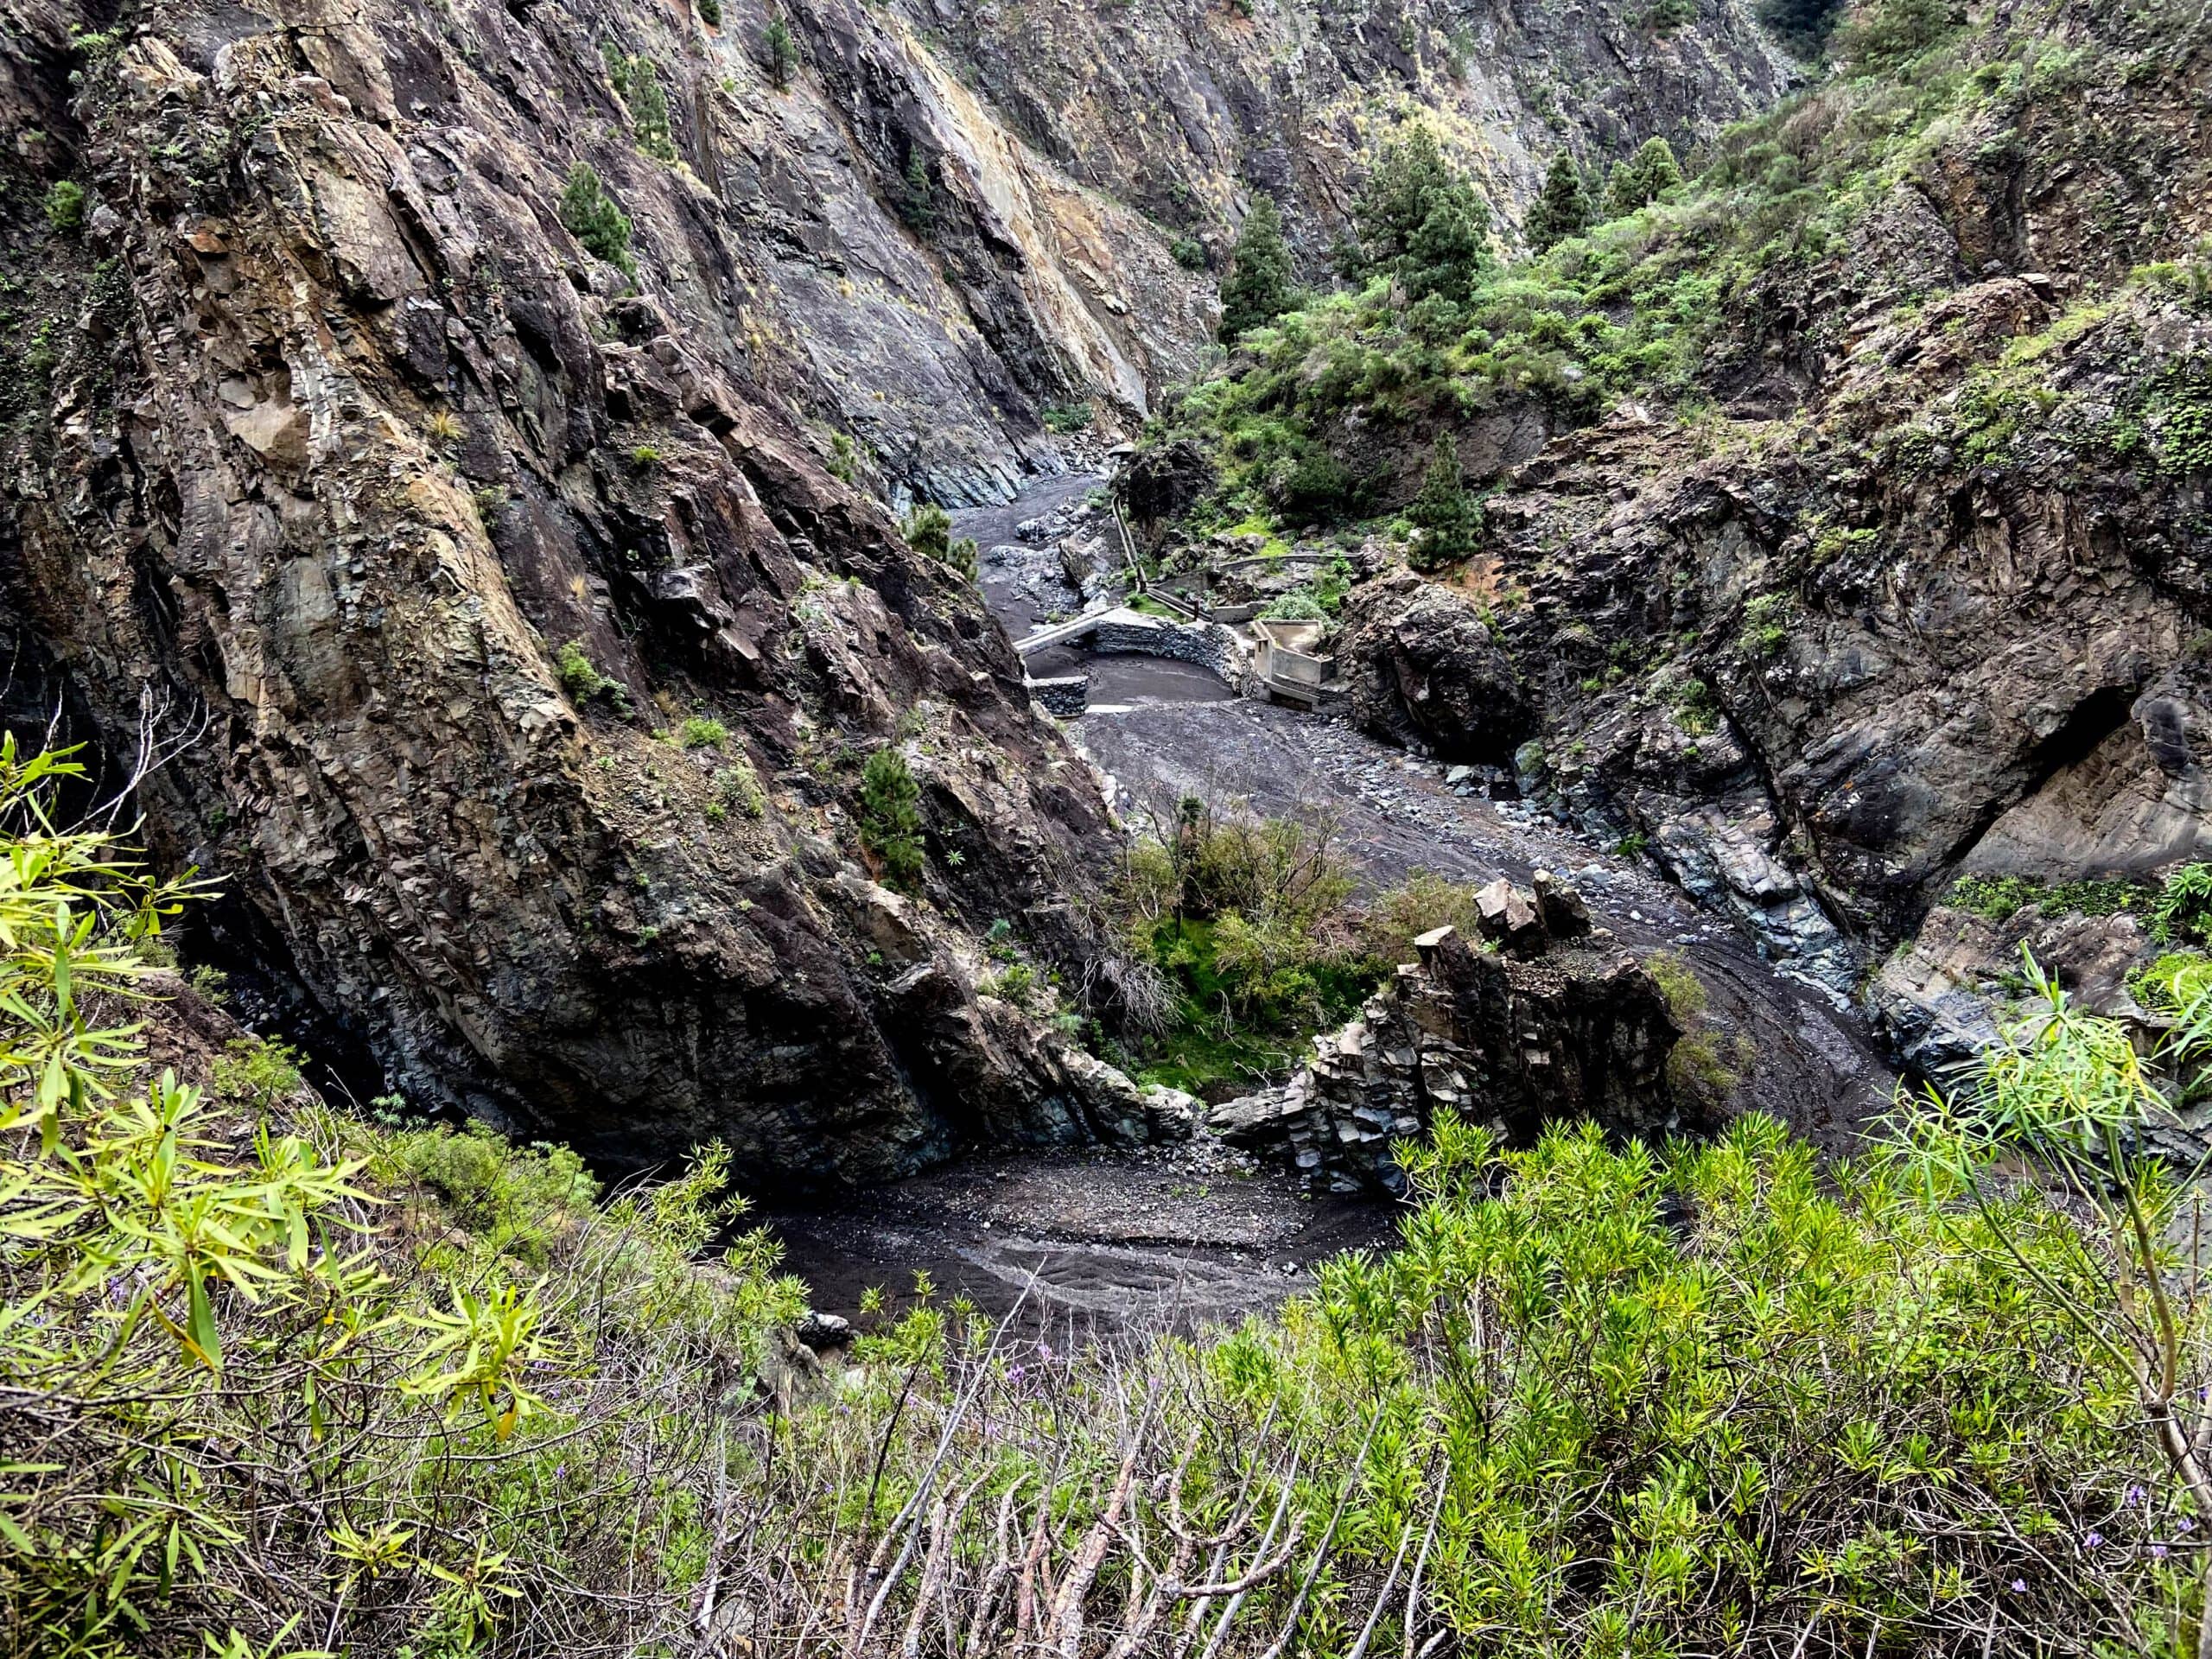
pixel 1185 1235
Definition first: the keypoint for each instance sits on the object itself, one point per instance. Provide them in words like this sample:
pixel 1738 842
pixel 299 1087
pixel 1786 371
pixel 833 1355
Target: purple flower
pixel 2186 1524
pixel 2158 1551
pixel 2020 1584
pixel 2134 1496
pixel 2094 1540
pixel 1016 1373
pixel 1045 1351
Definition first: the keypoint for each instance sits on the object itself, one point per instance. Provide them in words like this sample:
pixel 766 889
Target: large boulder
pixel 1421 668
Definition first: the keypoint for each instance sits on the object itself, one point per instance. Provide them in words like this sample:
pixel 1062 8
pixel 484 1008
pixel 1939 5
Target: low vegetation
pixel 1257 928
pixel 281 1381
pixel 891 819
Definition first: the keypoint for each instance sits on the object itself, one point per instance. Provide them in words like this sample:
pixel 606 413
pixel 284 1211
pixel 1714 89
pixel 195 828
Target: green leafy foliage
pixel 590 214
pixel 703 732
pixel 2183 910
pixel 928 530
pixel 581 678
pixel 918 196
pixel 1261 283
pixel 216 1296
pixel 64 206
pixel 1449 520
pixel 1562 208
pixel 1064 418
pixel 2001 897
pixel 891 818
pixel 783 53
pixel 1419 221
pixel 1642 179
pixel 639 81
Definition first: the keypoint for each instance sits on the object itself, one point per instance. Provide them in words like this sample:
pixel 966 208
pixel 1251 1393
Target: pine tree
pixel 891 817
pixel 641 90
pixel 920 207
pixel 1420 220
pixel 590 214
pixel 1563 208
pixel 783 53
pixel 1257 289
pixel 1644 177
pixel 1449 519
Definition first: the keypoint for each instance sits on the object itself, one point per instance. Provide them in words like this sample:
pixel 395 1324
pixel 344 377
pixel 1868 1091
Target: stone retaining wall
pixel 1206 644
pixel 1066 695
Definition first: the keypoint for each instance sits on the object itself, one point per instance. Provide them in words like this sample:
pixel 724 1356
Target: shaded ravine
pixel 1189 1234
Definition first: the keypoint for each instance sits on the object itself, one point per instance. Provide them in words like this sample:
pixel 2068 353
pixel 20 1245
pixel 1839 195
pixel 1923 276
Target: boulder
pixel 1511 1041
pixel 1421 667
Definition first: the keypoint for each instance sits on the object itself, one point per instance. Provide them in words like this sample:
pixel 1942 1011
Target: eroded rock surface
pixel 1527 1026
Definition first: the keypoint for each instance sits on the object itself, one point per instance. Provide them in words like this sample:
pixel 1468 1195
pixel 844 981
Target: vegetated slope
pixel 1843 520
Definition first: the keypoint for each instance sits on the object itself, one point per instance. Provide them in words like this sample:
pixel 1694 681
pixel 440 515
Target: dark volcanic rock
pixel 347 457
pixel 1578 1031
pixel 1423 668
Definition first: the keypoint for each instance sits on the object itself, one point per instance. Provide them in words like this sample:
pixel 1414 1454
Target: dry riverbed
pixel 1189 1235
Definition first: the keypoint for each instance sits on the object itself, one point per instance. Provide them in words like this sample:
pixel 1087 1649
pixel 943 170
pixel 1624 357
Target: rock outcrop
pixel 1421 668
pixel 1542 1019
pixel 519 651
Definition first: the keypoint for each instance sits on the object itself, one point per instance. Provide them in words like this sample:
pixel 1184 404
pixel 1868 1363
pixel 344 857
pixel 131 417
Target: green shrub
pixel 1068 417
pixel 1449 519
pixel 737 784
pixel 2183 910
pixel 641 90
pixel 202 1321
pixel 710 13
pixel 783 53
pixel 703 732
pixel 891 818
pixel 1188 252
pixel 256 1071
pixel 590 215
pixel 1260 285
pixel 1562 208
pixel 2174 983
pixel 1767 619
pixel 928 530
pixel 918 197
pixel 64 206
pixel 581 678
pixel 1296 605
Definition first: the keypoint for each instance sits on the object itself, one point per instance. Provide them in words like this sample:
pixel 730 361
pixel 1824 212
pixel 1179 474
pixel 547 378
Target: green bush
pixel 710 13
pixel 64 206
pixel 1188 252
pixel 1261 283
pixel 891 818
pixel 1063 418
pixel 1563 208
pixel 703 732
pixel 1449 519
pixel 590 215
pixel 257 1071
pixel 783 53
pixel 737 784
pixel 581 678
pixel 928 530
pixel 2183 910
pixel 212 1327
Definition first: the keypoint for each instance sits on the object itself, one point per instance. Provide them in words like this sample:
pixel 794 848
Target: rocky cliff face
pixel 1186 110
pixel 423 508
pixel 328 439
pixel 1919 588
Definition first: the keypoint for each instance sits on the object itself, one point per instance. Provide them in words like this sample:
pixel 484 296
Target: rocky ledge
pixel 1543 1017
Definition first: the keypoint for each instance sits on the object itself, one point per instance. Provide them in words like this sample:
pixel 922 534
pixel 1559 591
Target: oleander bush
pixel 276 1380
